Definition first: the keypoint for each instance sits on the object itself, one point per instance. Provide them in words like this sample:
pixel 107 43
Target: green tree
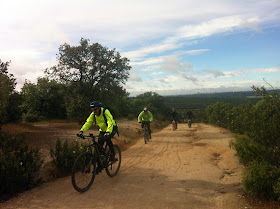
pixel 44 100
pixel 153 101
pixel 91 72
pixel 217 113
pixel 7 87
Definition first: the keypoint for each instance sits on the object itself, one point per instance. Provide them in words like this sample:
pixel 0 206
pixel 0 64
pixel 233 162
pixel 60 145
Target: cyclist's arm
pixel 88 123
pixel 151 117
pixel 140 117
pixel 110 123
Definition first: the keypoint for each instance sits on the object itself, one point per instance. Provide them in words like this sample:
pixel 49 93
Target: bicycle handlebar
pixel 88 136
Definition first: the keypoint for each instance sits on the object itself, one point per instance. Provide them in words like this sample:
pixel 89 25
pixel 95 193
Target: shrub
pixel 259 144
pixel 261 180
pixel 32 117
pixel 64 155
pixel 19 165
pixel 248 150
pixel 131 117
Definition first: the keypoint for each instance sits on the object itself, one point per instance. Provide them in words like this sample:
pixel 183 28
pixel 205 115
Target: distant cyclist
pixel 189 114
pixel 146 116
pixel 107 125
pixel 174 116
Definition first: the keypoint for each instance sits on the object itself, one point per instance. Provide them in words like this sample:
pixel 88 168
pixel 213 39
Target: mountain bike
pixel 174 126
pixel 190 122
pixel 147 136
pixel 92 162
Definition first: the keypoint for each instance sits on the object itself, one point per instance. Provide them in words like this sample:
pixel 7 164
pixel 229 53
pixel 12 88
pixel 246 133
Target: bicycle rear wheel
pixel 146 134
pixel 190 123
pixel 174 125
pixel 113 167
pixel 83 172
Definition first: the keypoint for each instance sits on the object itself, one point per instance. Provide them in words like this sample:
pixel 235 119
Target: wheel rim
pixel 83 172
pixel 113 166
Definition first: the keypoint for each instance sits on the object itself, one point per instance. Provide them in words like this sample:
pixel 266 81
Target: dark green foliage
pixel 19 165
pixel 202 101
pixel 44 100
pixel 14 112
pixel 248 150
pixel 7 86
pixel 261 180
pixel 65 154
pixel 259 140
pixel 91 72
pixel 218 113
pixel 153 101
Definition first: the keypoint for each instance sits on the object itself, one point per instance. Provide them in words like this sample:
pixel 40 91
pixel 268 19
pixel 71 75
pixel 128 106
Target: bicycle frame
pixel 146 131
pixel 92 162
pixel 95 148
pixel 189 122
pixel 174 125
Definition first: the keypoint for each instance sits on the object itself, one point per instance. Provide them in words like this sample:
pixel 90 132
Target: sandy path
pixel 186 168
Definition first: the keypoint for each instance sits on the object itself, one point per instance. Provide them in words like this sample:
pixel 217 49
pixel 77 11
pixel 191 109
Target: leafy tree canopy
pixel 44 100
pixel 91 72
pixel 92 64
pixel 7 86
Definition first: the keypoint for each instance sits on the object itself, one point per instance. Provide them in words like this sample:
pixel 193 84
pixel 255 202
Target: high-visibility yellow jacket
pixel 145 116
pixel 100 121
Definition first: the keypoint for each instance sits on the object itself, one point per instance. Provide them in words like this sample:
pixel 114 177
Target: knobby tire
pixel 190 123
pixel 83 172
pixel 174 125
pixel 112 168
pixel 146 133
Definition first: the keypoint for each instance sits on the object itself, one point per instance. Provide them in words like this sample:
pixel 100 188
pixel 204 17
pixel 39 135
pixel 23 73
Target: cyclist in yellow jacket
pixel 106 123
pixel 146 117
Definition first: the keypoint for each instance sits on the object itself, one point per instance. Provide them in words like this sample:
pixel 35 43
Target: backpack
pixel 115 128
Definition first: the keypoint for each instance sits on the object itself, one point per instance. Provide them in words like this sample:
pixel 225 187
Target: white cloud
pixel 157 73
pixel 156 36
pixel 266 70
pixel 216 73
pixel 172 64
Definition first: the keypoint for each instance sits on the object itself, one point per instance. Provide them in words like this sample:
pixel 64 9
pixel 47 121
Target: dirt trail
pixel 187 168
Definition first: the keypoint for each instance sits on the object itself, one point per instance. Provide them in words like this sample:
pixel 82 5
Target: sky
pixel 175 47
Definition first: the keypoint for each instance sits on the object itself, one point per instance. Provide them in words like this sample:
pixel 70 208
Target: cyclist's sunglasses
pixel 94 109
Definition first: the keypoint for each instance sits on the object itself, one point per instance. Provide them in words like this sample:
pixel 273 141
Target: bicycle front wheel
pixel 83 172
pixel 113 165
pixel 174 125
pixel 146 134
pixel 190 123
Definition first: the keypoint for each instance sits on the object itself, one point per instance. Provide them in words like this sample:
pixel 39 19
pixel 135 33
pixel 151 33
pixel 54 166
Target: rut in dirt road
pixel 187 168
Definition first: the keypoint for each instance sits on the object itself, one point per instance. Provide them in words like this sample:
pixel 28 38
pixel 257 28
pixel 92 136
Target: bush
pixel 19 165
pixel 259 144
pixel 64 155
pixel 248 150
pixel 131 117
pixel 261 180
pixel 32 117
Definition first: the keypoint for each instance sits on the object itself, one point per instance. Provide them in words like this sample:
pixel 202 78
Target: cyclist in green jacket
pixel 107 125
pixel 146 117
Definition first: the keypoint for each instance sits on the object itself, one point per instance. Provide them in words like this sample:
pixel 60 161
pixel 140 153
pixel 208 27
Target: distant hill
pixel 239 94
pixel 201 101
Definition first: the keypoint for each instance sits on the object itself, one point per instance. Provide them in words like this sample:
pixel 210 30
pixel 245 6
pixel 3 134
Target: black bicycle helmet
pixel 95 104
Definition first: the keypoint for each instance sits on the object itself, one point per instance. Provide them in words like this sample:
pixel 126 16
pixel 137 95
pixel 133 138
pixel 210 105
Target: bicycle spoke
pixel 83 172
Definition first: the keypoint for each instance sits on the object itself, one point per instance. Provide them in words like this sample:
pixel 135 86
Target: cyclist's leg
pixel 110 144
pixel 101 141
pixel 149 128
